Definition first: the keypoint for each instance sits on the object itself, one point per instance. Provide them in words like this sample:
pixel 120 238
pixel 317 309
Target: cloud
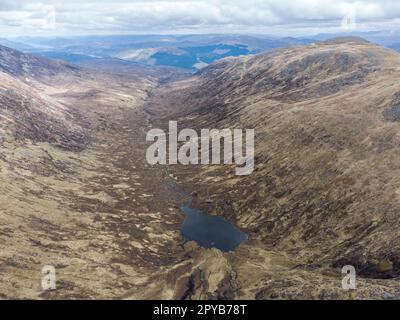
pixel 175 16
pixel 40 16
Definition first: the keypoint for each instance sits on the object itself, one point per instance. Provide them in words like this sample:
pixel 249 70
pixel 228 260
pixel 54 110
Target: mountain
pixel 196 57
pixel 386 38
pixel 19 64
pixel 27 113
pixel 325 190
pixel 15 45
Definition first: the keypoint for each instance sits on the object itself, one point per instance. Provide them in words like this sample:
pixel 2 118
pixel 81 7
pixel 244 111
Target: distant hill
pixel 386 38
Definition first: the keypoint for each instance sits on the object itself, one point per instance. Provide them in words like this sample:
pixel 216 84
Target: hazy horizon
pixel 244 34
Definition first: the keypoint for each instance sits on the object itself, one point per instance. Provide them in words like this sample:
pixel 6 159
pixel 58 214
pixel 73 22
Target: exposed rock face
pixel 326 186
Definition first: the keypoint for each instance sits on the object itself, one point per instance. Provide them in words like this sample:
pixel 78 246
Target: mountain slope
pixel 75 192
pixel 20 64
pixel 26 112
pixel 325 191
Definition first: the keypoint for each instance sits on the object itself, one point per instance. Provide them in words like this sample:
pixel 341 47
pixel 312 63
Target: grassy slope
pixel 325 190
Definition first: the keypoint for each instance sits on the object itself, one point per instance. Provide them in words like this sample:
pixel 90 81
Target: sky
pixel 273 17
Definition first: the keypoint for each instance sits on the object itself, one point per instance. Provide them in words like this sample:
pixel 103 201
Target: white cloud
pixel 175 16
pixel 40 16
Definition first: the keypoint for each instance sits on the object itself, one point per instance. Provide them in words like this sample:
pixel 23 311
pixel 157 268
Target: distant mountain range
pixel 189 52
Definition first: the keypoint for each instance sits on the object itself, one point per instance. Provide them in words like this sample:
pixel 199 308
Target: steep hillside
pixel 325 191
pixel 75 191
pixel 28 66
pixel 26 114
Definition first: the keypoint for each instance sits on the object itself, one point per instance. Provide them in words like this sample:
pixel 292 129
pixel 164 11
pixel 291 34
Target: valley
pixel 77 193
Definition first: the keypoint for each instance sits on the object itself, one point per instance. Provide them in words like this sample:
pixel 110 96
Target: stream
pixel 206 230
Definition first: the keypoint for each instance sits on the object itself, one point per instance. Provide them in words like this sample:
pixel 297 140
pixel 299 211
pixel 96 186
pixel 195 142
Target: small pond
pixel 211 231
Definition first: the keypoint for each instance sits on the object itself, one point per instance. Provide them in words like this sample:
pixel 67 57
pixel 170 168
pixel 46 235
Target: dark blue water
pixel 210 231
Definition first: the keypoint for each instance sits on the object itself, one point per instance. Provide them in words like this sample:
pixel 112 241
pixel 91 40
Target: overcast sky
pixel 279 17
